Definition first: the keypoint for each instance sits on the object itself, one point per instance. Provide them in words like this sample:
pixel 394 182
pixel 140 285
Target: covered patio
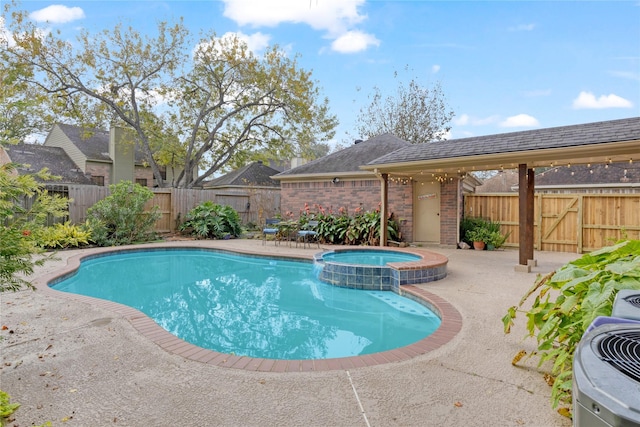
pixel 449 162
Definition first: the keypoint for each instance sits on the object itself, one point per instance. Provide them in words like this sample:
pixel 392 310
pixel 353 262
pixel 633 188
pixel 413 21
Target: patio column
pixel 526 184
pixel 384 200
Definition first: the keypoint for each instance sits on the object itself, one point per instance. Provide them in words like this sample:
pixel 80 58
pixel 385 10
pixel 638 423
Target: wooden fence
pixel 253 205
pixel 564 222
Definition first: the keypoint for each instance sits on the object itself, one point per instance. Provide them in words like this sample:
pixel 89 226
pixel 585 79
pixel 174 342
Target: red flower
pixel 26 232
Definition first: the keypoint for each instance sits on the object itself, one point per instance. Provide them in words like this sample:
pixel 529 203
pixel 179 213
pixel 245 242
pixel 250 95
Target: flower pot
pixel 478 246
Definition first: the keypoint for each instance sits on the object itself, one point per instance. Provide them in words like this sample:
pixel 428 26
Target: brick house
pixel 337 181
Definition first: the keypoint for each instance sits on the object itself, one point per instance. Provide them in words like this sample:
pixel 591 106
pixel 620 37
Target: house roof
pixel 55 159
pixel 502 182
pixel 94 143
pixel 255 174
pixel 590 142
pixel 350 159
pixel 597 174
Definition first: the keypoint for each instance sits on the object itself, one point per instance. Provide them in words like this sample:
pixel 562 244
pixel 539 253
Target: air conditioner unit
pixel 627 304
pixel 606 377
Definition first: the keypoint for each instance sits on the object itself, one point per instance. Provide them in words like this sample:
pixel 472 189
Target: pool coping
pixel 450 326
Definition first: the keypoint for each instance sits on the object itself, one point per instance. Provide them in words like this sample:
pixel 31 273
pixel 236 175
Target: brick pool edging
pixel 451 324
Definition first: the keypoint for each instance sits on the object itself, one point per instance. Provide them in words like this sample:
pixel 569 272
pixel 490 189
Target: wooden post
pixel 526 186
pixel 384 196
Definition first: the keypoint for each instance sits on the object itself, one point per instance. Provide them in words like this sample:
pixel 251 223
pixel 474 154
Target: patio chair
pixel 270 227
pixel 308 234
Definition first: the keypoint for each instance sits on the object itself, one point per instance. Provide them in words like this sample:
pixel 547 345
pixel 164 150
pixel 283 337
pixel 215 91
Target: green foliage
pixel 584 289
pixel 120 218
pixel 224 103
pixel 475 229
pixel 18 224
pixel 6 408
pixel 212 221
pixel 61 236
pixel 362 228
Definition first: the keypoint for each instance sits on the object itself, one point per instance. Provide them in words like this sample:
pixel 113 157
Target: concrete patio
pixel 76 363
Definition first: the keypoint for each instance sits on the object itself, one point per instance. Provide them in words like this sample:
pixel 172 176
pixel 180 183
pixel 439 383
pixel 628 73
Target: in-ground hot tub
pixel 379 269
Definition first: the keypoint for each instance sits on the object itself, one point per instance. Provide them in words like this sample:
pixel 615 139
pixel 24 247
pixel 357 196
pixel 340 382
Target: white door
pixel 426 211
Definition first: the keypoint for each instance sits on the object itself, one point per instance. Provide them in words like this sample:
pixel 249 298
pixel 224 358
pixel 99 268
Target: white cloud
pixel 256 42
pixel 521 120
pixel 354 41
pixel 338 18
pixel 435 68
pixel 57 14
pixel 587 100
pixel 467 120
pixel 523 27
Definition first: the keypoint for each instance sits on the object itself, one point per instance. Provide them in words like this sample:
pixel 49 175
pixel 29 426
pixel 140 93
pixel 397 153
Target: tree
pixel 200 112
pixel 415 113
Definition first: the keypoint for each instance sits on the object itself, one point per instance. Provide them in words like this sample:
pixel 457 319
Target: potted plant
pixel 496 239
pixel 479 236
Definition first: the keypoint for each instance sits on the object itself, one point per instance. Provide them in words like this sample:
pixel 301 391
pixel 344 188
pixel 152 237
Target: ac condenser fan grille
pixel 621 349
pixel 633 300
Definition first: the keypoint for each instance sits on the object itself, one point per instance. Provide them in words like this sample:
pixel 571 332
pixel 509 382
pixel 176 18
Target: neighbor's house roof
pixel 347 161
pixel 94 143
pixel 599 175
pixel 615 140
pixel 254 174
pixel 35 157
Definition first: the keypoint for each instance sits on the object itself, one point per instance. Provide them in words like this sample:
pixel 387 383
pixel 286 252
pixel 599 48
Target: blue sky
pixel 503 65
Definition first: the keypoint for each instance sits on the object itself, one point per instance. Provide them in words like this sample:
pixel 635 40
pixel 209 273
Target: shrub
pixel 363 228
pixel 62 236
pixel 210 220
pixel 18 224
pixel 120 218
pixel 585 289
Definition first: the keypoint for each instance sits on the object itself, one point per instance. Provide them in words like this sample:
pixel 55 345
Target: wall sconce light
pixel 335 180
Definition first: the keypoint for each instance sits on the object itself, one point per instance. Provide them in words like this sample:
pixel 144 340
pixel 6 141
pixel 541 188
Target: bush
pixel 212 221
pixel 120 218
pixel 363 228
pixel 62 236
pixel 584 289
pixel 18 224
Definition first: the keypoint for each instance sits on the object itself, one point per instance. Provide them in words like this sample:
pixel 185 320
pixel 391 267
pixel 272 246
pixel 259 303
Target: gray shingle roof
pixel 615 173
pixel 53 158
pixel 351 158
pixel 557 137
pixel 94 143
pixel 255 173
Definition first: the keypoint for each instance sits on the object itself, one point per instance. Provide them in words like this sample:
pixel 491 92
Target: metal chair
pixel 270 227
pixel 308 234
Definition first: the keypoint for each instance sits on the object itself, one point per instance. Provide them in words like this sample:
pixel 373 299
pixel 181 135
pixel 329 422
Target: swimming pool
pixel 251 306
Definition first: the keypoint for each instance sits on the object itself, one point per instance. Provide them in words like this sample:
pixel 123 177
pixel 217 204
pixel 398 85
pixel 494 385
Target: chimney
pixel 122 153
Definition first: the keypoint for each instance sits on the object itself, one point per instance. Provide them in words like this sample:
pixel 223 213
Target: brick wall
pixel 349 194
pixel 99 169
pixel 450 211
pixel 141 172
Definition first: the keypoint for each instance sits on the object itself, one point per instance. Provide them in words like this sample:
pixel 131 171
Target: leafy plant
pixel 210 220
pixel 497 239
pixel 120 218
pixel 63 236
pixel 19 223
pixel 479 235
pixel 585 289
pixel 6 408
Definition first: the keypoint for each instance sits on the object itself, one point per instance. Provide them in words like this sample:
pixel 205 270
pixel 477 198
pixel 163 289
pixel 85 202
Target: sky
pixel 503 66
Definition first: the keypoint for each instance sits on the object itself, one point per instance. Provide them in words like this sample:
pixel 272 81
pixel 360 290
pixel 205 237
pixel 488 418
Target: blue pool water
pixel 252 306
pixel 369 257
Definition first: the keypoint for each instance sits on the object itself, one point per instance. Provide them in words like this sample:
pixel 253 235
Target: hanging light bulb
pixel 588 165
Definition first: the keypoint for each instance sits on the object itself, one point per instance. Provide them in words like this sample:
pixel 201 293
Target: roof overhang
pixel 583 154
pixel 328 176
